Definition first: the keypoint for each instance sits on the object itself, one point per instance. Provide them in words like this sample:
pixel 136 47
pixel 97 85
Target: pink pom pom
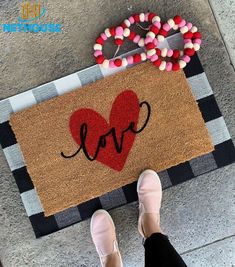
pixel 154 58
pixel 130 60
pixel 166 27
pixel 187 41
pixel 119 31
pixel 182 23
pixel 103 36
pixel 132 20
pixel 169 53
pixel 111 64
pixel 186 58
pixel 146 17
pixel 189 25
pixel 148 40
pixel 157 24
pixel 136 39
pixel 155 41
pixel 97 53
pixel 169 66
pixel 197 41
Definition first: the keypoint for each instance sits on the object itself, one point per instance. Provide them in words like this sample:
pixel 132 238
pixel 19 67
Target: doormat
pixel 223 154
pixel 99 138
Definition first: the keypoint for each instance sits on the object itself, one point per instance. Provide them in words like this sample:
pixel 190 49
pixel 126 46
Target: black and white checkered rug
pixel 223 154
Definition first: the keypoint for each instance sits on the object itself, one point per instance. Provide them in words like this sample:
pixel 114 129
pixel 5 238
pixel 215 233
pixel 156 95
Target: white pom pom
pixel 162 65
pixel 188 45
pixel 160 38
pixel 143 56
pixel 151 52
pixel 142 17
pixel 171 22
pixel 164 52
pixel 97 47
pixel 107 33
pixel 124 62
pixel 118 37
pixel 196 46
pixel 184 29
pixel 194 29
pixel 175 27
pixel 127 22
pixel 182 64
pixel 105 64
pixel 141 42
pixel 151 35
pixel 156 18
pixel 126 32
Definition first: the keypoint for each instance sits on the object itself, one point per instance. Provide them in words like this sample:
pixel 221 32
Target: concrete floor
pixel 198 215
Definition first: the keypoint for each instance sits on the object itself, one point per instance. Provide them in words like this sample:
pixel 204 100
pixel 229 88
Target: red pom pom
pixel 157 62
pixel 112 31
pixel 136 58
pixel 189 51
pixel 100 40
pixel 150 46
pixel 132 35
pixel 176 53
pixel 118 62
pixel 163 32
pixel 118 41
pixel 100 59
pixel 136 18
pixel 158 52
pixel 177 19
pixel 123 24
pixel 197 35
pixel 151 16
pixel 154 29
pixel 188 35
pixel 175 66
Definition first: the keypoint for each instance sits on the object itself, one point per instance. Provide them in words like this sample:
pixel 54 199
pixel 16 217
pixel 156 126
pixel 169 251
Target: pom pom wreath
pixel 157 33
pixel 180 58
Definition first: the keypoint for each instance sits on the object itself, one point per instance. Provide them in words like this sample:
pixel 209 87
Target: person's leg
pixel 104 237
pixel 158 249
pixel 160 252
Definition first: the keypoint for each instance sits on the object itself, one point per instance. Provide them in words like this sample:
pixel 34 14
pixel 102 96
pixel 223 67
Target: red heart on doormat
pixel 90 130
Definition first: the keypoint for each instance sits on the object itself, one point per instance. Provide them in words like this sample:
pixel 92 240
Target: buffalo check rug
pixel 223 154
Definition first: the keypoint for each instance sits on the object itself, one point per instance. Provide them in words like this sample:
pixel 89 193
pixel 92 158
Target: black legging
pixel 160 253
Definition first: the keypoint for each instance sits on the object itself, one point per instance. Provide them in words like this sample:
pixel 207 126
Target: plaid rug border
pixel 224 153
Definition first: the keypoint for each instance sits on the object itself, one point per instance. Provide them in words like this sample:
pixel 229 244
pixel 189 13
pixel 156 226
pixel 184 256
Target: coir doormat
pixel 222 155
pixel 99 138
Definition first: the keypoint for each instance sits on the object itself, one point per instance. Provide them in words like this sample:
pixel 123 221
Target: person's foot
pixel 149 190
pixel 104 237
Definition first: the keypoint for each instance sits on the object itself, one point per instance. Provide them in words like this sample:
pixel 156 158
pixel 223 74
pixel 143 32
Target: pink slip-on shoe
pixel 149 190
pixel 104 236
